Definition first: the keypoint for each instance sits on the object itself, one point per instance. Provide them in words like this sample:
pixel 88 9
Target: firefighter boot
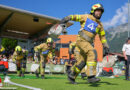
pixel 22 72
pixel 42 76
pixel 83 75
pixel 71 77
pixel 18 73
pixel 93 79
pixel 22 75
pixel 37 75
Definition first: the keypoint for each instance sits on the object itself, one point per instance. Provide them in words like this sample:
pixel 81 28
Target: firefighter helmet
pixel 49 40
pixel 18 48
pixel 97 7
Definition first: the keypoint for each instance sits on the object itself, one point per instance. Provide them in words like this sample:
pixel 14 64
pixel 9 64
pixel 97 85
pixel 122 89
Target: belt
pixel 86 37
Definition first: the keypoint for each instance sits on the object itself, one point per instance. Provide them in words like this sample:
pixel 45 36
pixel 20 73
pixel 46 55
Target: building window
pixel 65 45
pixel 58 46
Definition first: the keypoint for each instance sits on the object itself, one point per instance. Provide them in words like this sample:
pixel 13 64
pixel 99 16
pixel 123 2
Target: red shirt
pixel 5 63
pixel 1 62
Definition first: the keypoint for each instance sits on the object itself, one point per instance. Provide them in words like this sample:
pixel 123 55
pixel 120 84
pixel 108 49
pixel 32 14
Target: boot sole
pixel 72 82
pixel 94 81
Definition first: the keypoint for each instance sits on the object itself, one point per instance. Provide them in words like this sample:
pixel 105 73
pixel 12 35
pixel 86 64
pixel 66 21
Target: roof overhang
pixel 17 23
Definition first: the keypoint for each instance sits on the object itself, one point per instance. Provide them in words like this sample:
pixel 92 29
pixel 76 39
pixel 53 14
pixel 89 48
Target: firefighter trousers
pixel 43 60
pixel 21 66
pixel 86 56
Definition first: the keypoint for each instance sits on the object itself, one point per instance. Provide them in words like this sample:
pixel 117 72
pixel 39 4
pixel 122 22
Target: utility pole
pixel 128 18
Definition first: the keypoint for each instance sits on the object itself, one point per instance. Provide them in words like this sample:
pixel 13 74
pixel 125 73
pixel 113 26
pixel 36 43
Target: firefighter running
pixel 42 51
pixel 19 57
pixel 90 26
pixel 74 50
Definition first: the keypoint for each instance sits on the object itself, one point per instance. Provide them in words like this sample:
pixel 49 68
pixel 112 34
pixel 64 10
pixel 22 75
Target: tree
pixel 8 43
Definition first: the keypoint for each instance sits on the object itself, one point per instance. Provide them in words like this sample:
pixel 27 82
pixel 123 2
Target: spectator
pixel 30 57
pixel 66 61
pixel 10 58
pixel 61 61
pixel 126 53
pixel 0 57
pixel 56 59
pixel 4 65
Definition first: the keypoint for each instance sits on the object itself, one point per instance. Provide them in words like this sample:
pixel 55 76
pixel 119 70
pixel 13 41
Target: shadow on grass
pixel 94 84
pixel 99 83
pixel 55 78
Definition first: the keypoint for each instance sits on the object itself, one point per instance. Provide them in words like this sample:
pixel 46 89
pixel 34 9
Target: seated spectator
pixel 66 60
pixel 58 60
pixel 30 57
pixel 62 61
pixel 54 61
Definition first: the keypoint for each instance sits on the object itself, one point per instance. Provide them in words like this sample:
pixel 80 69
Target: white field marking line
pixel 25 86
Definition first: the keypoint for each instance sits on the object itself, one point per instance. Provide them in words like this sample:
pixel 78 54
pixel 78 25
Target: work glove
pixel 64 32
pixel 63 24
pixel 64 20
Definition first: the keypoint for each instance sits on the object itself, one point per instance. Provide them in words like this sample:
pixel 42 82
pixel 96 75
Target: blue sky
pixel 115 10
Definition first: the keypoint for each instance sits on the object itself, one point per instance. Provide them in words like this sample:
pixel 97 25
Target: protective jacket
pixel 90 26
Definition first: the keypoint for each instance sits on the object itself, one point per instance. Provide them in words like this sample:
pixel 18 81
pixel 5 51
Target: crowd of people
pixel 22 56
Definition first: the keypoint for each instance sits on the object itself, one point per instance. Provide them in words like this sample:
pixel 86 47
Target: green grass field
pixel 60 82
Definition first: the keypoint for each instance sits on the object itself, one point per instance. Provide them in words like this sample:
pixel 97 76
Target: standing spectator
pixel 126 53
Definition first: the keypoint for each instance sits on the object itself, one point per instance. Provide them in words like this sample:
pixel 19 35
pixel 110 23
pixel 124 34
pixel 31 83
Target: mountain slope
pixel 116 37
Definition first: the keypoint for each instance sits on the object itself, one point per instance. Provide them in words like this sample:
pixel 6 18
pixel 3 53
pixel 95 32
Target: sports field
pixel 60 82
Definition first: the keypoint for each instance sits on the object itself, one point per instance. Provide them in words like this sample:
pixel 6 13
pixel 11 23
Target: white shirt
pixel 5 59
pixel 126 48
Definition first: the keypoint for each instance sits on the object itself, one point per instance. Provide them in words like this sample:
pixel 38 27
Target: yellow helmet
pixel 18 48
pixel 97 7
pixel 2 49
pixel 49 40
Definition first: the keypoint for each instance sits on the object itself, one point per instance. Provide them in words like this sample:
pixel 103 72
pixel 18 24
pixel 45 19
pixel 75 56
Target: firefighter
pixel 42 51
pixel 90 26
pixel 2 50
pixel 19 57
pixel 73 49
